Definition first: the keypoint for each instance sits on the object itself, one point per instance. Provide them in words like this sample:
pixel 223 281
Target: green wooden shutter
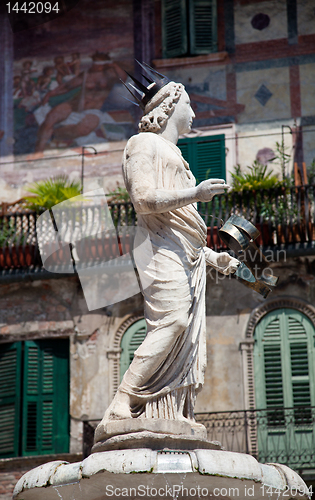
pixel 284 360
pixel 10 387
pixel 174 28
pixel 203 26
pixel 273 376
pixel 205 155
pixel 300 372
pixel 45 417
pixel 284 367
pixel 271 394
pixel 130 342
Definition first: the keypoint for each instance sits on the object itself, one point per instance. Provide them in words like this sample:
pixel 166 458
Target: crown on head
pixel 155 80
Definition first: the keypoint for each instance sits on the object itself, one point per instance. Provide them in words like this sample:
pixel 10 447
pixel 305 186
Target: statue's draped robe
pixel 168 368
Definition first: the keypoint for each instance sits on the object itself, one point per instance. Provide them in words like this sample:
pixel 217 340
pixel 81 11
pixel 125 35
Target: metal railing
pixel 285 218
pixel 283 435
pixel 19 240
pixel 280 435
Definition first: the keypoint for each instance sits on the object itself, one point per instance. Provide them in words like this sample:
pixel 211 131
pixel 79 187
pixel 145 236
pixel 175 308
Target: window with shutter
pixel 205 155
pixel 130 342
pixel 284 365
pixel 203 26
pixel 284 360
pixel 174 32
pixel 41 373
pixel 189 27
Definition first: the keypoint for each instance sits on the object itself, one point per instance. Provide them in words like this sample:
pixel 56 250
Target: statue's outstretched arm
pixel 140 177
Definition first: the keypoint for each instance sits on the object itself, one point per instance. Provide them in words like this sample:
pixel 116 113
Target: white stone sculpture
pixel 168 368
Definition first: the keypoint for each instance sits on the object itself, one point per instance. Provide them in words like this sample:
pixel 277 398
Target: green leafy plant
pixel 50 192
pixel 282 157
pixel 255 178
pixel 7 232
pixel 252 190
pixel 10 233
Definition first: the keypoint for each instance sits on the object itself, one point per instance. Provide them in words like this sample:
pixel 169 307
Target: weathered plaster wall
pixel 244 12
pixel 266 82
pixel 306 17
pixel 307 76
pixel 229 305
pixel 252 138
pixel 56 308
pixel 100 170
pixel 273 84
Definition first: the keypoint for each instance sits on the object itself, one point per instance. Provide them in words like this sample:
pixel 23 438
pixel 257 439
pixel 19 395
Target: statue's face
pixel 183 114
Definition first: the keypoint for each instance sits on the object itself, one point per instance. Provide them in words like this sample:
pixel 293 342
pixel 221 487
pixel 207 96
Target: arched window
pixel 130 342
pixel 284 371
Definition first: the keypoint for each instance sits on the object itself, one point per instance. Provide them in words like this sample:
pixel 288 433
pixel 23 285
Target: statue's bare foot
pixel 119 408
pixel 192 422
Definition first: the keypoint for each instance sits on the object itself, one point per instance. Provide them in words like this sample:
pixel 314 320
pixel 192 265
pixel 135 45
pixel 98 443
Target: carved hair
pixel 160 108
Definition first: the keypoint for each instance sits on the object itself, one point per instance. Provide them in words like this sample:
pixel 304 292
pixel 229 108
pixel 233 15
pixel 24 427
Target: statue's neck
pixel 169 132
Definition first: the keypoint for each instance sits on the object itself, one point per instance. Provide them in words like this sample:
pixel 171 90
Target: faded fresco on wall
pixel 68 102
pixel 67 89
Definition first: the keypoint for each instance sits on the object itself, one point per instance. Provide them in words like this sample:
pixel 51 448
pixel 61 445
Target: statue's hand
pixel 226 264
pixel 206 190
pixel 222 262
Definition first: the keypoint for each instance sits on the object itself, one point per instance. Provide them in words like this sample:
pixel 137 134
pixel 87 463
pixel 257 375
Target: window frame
pixel 181 21
pixel 191 155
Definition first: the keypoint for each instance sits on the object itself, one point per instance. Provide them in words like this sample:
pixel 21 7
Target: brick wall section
pixel 295 91
pixel 7 482
pixel 12 469
pixel 42 308
pixel 231 96
pixel 271 49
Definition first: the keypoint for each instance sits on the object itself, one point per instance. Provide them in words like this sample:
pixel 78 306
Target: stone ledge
pixel 209 469
pixel 177 62
pixel 155 441
pixel 158 425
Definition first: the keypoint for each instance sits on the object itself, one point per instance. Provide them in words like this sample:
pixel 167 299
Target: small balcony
pixel 284 216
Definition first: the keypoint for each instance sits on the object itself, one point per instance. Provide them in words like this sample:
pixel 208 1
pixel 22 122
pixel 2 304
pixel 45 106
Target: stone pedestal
pixel 153 433
pixel 165 473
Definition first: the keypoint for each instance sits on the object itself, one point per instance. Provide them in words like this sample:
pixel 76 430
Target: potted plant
pixel 257 191
pixel 49 192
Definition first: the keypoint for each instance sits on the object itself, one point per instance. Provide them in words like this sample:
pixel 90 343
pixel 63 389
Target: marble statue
pixel 168 368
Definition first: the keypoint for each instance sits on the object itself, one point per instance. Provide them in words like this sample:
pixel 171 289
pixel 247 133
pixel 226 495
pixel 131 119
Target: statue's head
pixel 159 101
pixel 159 109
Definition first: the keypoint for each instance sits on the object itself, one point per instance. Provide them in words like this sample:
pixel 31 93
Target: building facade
pixel 248 67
